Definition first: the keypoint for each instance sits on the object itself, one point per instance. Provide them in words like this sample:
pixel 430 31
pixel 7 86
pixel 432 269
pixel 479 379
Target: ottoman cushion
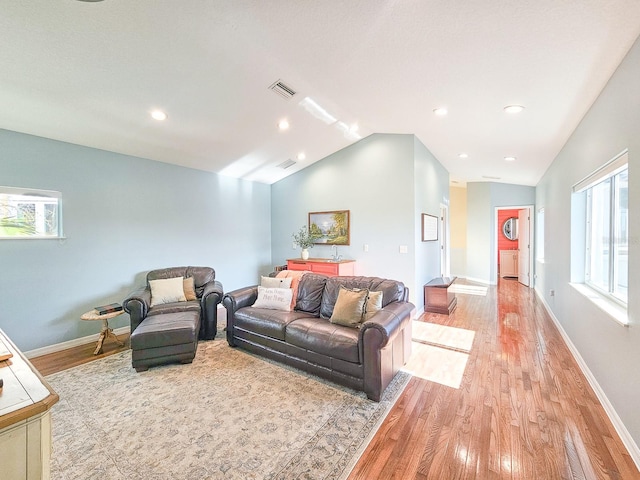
pixel 166 329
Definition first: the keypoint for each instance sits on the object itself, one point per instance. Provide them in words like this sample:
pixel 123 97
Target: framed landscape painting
pixel 330 228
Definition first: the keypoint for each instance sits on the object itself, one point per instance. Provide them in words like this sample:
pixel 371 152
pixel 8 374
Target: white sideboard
pixel 25 417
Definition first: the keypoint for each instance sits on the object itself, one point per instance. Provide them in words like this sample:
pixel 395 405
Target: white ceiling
pixel 89 73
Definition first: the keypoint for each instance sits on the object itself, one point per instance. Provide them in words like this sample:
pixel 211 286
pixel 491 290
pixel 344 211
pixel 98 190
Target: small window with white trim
pixel 606 228
pixel 30 213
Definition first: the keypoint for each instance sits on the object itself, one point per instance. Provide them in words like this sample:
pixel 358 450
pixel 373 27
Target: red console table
pixel 322 266
pixel 438 298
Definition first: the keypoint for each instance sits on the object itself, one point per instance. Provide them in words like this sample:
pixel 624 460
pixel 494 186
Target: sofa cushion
pixel 310 291
pixel 325 338
pixel 271 323
pixel 349 307
pixel 192 306
pixel 392 290
pixel 163 330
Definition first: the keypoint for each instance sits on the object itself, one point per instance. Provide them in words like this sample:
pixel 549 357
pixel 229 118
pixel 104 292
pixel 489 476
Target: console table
pixel 323 266
pixel 438 298
pixel 25 417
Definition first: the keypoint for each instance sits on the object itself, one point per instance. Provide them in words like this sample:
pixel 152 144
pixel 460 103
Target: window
pixel 606 228
pixel 29 213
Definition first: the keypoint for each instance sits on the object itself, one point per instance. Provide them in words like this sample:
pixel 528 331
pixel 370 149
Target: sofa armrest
pixel 235 300
pixel 211 297
pixel 385 346
pixel 388 322
pixel 137 306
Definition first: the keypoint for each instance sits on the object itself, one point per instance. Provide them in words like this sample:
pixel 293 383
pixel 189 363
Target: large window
pixel 606 228
pixel 29 213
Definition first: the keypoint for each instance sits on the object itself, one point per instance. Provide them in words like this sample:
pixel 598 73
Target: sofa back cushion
pixel 201 275
pixel 392 290
pixel 310 290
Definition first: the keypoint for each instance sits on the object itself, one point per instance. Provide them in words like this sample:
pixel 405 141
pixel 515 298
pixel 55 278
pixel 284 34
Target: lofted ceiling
pixel 90 72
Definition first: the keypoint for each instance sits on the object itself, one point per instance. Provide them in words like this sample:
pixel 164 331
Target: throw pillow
pixel 274 298
pixel 275 282
pixel 372 305
pixel 189 287
pixel 167 290
pixel 349 307
pixel 295 276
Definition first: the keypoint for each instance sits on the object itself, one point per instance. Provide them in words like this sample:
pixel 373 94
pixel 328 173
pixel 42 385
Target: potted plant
pixel 304 239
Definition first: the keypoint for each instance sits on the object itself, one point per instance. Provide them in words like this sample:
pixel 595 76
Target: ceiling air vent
pixel 286 164
pixel 282 89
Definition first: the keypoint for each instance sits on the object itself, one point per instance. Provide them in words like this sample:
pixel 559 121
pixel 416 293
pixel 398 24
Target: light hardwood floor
pixel 523 409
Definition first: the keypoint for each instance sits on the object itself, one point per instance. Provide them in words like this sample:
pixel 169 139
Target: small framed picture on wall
pixel 429 227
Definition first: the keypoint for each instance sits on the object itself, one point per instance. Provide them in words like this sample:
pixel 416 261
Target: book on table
pixel 112 307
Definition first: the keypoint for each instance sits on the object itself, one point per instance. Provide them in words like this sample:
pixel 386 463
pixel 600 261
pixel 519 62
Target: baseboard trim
pixel 625 436
pixel 479 280
pixel 71 343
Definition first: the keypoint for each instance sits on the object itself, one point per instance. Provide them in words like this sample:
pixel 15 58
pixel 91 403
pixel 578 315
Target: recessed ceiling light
pixel 158 115
pixel 283 124
pixel 463 155
pixel 301 156
pixel 509 159
pixel 513 108
pixel 440 111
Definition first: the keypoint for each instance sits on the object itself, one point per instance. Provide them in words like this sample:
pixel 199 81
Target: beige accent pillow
pixel 167 290
pixel 349 307
pixel 189 287
pixel 275 282
pixel 274 298
pixel 372 305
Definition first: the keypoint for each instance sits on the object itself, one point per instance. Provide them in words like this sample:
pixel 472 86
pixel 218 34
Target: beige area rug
pixel 229 415
pixel 439 353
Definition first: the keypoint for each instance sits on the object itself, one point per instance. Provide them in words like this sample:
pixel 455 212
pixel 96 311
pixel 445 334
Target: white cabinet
pixel 508 263
pixel 25 417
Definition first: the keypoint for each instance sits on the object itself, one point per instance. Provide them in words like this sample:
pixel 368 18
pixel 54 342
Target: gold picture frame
pixel 330 228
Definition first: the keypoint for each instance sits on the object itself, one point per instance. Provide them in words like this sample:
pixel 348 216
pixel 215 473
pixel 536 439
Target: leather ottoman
pixel 165 338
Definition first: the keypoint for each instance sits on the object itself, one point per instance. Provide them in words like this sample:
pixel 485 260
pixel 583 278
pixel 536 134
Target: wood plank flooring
pixel 523 410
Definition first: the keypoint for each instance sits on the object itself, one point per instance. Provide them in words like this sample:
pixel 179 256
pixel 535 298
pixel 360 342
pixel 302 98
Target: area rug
pixel 228 415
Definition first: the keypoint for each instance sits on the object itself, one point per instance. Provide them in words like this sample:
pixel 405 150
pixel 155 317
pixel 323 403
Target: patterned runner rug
pixel 228 415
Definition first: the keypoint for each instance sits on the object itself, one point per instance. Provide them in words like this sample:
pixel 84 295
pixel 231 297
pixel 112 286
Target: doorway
pixel 513 244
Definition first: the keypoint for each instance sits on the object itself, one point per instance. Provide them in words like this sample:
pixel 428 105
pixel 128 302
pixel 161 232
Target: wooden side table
pixel 437 298
pixel 106 331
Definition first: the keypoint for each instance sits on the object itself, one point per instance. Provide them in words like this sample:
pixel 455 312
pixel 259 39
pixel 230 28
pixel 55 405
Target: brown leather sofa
pixel 365 358
pixel 169 332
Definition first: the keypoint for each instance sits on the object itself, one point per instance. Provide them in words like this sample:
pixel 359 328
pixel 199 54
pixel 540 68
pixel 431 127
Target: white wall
pixel 611 352
pixel 122 217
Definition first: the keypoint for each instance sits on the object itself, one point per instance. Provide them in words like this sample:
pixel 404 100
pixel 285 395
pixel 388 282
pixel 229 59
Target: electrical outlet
pixel 366 247
pixel 552 293
pixel 404 249
pixel 293 245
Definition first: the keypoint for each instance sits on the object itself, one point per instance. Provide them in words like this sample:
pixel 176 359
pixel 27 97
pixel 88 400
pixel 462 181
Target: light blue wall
pixel 431 190
pixel 123 216
pixel 375 179
pixel 611 352
pixel 482 200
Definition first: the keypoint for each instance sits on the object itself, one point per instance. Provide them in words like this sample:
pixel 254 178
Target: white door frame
pixel 494 255
pixel 445 244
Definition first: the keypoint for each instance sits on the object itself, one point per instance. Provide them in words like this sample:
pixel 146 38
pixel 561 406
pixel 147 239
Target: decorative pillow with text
pixel 274 298
pixel 167 290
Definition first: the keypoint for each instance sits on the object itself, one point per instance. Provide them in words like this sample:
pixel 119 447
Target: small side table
pixel 106 331
pixel 437 298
